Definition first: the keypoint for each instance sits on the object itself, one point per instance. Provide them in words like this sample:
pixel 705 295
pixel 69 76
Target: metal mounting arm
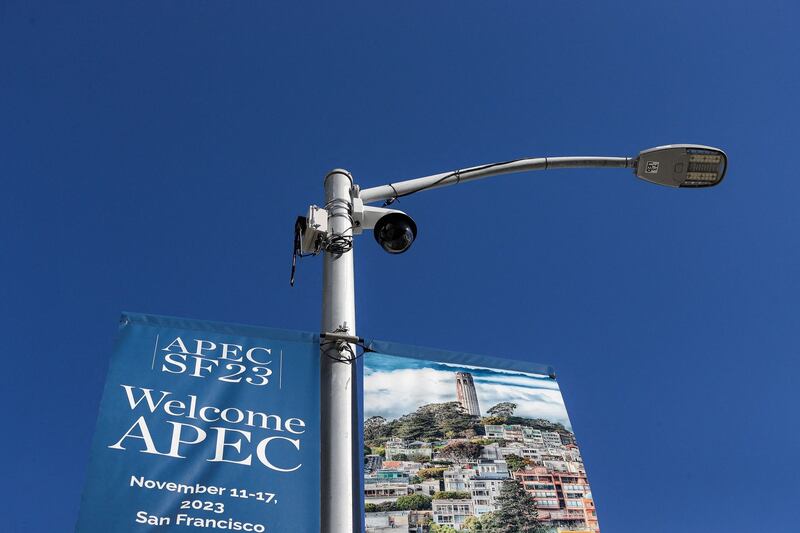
pixel 404 188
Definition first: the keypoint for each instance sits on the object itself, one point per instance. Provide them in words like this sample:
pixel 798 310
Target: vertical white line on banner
pixel 153 365
pixel 280 372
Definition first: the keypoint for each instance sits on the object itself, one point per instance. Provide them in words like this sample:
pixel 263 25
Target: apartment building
pixel 452 512
pixel 563 499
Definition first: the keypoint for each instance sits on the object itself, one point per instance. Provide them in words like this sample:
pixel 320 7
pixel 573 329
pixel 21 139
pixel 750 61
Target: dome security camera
pixel 395 232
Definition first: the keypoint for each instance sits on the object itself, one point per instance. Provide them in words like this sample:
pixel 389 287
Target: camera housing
pixel 395 232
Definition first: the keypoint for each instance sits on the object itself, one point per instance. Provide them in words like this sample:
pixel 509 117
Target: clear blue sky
pixel 154 155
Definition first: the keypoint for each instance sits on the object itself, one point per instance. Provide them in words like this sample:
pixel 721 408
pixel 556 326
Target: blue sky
pixel 154 156
pixel 396 386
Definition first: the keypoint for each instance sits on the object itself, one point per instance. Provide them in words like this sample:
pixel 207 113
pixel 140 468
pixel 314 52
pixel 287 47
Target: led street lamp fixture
pixel 682 165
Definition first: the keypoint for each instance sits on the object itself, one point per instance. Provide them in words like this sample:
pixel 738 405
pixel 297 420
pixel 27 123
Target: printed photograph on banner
pixel 450 447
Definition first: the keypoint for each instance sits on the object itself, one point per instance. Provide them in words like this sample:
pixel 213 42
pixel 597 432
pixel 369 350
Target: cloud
pixel 394 393
pixel 393 390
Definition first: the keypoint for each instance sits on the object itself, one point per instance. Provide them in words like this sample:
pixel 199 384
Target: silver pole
pixel 401 188
pixel 338 378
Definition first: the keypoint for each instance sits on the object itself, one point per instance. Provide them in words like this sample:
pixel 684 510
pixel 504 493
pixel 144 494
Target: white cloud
pixel 393 393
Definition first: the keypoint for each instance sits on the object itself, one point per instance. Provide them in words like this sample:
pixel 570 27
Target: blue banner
pixel 205 427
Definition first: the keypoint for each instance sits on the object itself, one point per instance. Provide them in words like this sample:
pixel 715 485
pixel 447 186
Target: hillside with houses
pixel 443 469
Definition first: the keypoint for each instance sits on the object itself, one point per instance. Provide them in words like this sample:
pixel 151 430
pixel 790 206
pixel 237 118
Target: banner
pixel 206 427
pixel 461 442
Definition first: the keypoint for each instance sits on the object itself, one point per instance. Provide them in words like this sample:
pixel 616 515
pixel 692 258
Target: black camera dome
pixel 395 232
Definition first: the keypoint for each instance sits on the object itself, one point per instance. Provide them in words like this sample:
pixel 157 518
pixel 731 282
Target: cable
pixel 391 200
pixel 457 173
pixel 338 244
pixel 300 226
pixel 343 346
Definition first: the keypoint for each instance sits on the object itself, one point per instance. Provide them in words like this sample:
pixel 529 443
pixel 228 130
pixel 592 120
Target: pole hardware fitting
pixel 335 336
pixel 337 346
pixel 366 216
pixel 341 171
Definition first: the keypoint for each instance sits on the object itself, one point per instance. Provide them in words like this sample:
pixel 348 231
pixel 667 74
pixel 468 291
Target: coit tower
pixel 465 391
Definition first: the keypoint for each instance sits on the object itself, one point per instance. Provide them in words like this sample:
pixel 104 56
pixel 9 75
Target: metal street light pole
pixel 331 229
pixel 338 372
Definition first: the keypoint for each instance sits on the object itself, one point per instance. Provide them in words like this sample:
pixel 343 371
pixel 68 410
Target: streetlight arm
pixel 404 188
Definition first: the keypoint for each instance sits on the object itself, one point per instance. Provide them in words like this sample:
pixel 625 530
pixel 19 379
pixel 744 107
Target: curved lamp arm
pixel 404 188
pixel 673 165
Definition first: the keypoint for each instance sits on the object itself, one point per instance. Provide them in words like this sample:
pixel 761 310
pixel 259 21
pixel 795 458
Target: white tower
pixel 465 391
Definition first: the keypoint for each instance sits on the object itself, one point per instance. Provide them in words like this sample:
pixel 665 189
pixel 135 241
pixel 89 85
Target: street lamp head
pixel 395 232
pixel 682 165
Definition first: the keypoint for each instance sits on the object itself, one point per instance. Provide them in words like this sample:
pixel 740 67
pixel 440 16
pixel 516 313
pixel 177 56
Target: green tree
pixel 516 512
pixel 419 425
pixel 376 430
pixel 413 502
pixel 461 451
pixel 515 462
pixel 431 473
pixel 537 423
pixel 502 409
pixel 373 422
pixel 471 524
pixel 436 421
pixel 442 528
pixel 418 458
pixel 380 507
pixel 451 495
pixel 386 507
pixel 479 524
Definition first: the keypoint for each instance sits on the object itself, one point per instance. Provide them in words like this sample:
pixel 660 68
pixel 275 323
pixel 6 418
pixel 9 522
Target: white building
pixel 410 468
pixel 386 522
pixel 532 437
pixel 491 452
pixel 385 486
pixel 484 491
pixel 491 467
pixel 457 478
pixel 483 483
pixel 428 487
pixel 552 439
pixel 398 449
pixel 452 512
